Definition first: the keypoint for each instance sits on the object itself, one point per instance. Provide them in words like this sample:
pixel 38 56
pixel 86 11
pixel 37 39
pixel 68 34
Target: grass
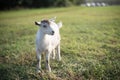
pixel 90 45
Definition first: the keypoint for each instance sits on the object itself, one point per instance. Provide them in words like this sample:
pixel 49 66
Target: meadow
pixel 90 44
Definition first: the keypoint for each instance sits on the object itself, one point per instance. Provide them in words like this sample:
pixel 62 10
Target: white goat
pixel 47 41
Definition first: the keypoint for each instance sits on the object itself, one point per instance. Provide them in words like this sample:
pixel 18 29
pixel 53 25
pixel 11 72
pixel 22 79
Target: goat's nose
pixel 53 32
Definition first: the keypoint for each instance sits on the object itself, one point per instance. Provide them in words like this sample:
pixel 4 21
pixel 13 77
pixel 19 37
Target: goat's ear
pixel 59 24
pixel 37 23
pixel 53 19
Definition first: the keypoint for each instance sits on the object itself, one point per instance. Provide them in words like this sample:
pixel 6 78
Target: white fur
pixel 47 42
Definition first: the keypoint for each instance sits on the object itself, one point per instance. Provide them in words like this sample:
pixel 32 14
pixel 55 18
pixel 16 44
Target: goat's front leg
pixel 58 53
pixel 48 61
pixel 38 53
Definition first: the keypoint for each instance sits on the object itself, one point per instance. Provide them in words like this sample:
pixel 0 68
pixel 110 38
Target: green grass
pixel 90 45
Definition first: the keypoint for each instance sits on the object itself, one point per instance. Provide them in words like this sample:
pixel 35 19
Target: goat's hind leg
pixel 38 56
pixel 53 54
pixel 58 53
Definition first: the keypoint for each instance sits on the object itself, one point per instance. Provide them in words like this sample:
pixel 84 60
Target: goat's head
pixel 49 26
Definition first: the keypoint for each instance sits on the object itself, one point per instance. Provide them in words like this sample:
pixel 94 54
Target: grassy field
pixel 90 45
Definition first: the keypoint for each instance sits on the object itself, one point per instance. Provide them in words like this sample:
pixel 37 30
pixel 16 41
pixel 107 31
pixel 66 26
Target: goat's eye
pixel 44 26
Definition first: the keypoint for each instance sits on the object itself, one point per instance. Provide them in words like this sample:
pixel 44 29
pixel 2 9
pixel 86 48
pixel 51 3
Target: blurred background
pixel 90 39
pixel 16 4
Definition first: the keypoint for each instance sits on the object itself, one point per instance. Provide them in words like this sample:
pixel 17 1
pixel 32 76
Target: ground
pixel 90 44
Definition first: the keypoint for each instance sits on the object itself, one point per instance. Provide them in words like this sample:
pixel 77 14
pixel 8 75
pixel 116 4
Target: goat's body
pixel 47 42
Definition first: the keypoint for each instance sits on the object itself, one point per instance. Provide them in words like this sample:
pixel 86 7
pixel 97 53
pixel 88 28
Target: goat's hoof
pixel 59 59
pixel 39 71
pixel 48 70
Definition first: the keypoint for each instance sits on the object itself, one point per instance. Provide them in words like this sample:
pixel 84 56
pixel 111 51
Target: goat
pixel 47 41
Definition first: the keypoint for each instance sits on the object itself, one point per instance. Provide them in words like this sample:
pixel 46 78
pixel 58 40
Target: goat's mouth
pixel 52 33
